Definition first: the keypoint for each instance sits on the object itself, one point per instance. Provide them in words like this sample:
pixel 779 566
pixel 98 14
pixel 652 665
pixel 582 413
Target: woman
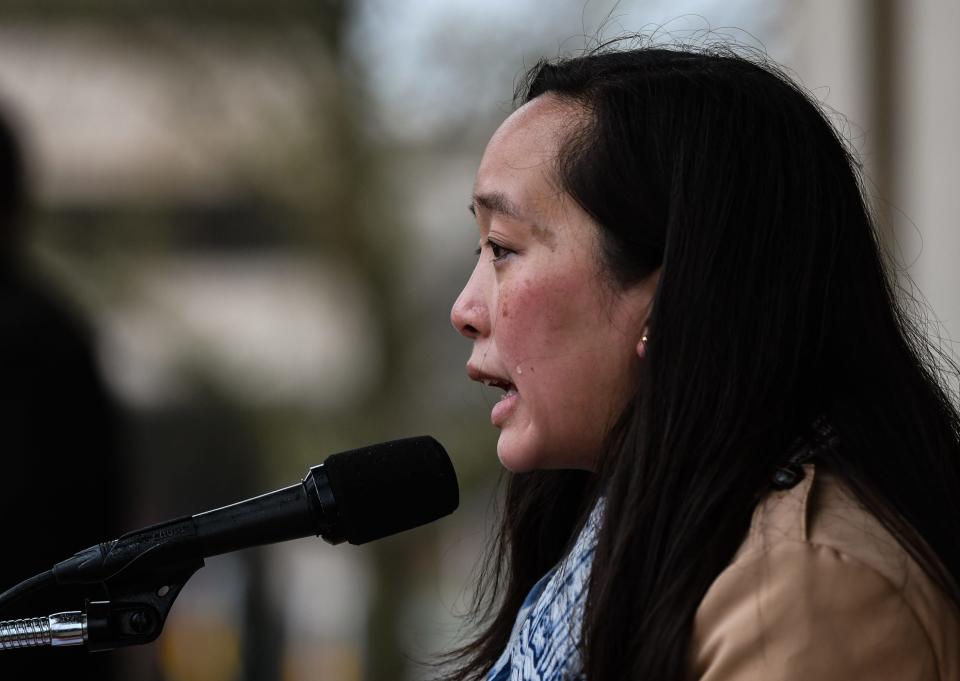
pixel 731 456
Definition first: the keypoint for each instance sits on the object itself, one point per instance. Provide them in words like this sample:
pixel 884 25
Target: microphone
pixel 359 496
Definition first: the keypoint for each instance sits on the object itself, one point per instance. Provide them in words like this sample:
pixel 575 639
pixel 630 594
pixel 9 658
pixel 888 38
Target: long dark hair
pixel 773 307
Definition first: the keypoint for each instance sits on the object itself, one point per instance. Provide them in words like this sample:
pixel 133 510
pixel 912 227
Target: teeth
pixel 503 385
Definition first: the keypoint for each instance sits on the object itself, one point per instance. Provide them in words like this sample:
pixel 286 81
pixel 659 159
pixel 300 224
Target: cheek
pixel 541 320
pixel 519 320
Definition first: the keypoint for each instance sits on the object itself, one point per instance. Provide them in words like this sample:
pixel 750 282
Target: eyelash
pixel 494 247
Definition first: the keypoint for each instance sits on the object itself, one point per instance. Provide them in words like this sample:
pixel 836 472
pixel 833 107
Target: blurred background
pixel 256 209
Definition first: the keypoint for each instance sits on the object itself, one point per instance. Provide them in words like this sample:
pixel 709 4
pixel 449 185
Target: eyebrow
pixel 496 202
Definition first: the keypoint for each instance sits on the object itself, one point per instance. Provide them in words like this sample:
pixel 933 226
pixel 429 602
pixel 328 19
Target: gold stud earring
pixel 642 346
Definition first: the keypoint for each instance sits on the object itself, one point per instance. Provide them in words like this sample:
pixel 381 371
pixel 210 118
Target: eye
pixel 499 252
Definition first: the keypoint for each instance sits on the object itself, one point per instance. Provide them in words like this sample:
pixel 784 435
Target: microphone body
pixel 358 496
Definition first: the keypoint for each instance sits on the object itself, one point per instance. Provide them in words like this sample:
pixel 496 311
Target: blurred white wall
pixel 828 48
pixel 927 154
pixel 892 68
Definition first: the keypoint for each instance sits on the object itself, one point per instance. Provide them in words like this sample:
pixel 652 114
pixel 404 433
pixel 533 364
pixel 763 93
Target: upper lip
pixel 476 374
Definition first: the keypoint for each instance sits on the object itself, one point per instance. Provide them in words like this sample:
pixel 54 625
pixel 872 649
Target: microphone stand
pixel 143 572
pixel 146 569
pixel 135 611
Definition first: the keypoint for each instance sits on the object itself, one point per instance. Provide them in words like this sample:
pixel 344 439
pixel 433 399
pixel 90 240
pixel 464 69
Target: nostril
pixel 468 318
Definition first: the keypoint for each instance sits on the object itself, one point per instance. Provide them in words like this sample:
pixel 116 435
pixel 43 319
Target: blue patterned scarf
pixel 545 642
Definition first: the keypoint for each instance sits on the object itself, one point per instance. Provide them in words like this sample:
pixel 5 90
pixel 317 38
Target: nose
pixel 470 315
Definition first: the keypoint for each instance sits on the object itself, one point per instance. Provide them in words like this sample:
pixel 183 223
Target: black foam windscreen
pixel 391 487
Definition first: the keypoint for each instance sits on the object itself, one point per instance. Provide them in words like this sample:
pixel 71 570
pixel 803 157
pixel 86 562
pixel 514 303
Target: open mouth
pixel 508 387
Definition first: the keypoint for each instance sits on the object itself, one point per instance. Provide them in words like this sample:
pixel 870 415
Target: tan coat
pixel 819 591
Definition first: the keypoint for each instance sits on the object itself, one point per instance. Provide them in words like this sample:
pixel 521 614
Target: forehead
pixel 525 146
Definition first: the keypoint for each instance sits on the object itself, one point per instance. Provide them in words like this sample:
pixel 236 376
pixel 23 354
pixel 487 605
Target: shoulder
pixel 819 589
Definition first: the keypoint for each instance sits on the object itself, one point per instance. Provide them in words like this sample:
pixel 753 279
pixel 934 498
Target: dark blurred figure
pixel 58 438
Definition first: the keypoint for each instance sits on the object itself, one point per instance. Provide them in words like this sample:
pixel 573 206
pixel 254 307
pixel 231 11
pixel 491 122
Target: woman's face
pixel 548 327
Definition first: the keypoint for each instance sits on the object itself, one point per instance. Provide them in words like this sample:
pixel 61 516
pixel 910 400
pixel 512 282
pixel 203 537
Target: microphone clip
pixel 137 607
pixel 133 613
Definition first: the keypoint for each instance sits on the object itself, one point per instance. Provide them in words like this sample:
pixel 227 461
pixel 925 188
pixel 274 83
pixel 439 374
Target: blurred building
pixel 263 207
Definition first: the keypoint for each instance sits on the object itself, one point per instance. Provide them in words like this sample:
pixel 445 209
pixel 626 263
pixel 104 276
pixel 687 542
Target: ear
pixel 648 289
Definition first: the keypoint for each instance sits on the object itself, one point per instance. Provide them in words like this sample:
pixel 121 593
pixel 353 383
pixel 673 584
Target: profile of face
pixel 549 327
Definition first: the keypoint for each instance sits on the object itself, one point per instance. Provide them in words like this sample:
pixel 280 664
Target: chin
pixel 518 457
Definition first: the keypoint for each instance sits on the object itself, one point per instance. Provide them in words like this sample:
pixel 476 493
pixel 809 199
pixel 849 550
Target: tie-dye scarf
pixel 545 643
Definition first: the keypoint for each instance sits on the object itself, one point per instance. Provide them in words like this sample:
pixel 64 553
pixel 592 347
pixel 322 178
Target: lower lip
pixel 502 409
